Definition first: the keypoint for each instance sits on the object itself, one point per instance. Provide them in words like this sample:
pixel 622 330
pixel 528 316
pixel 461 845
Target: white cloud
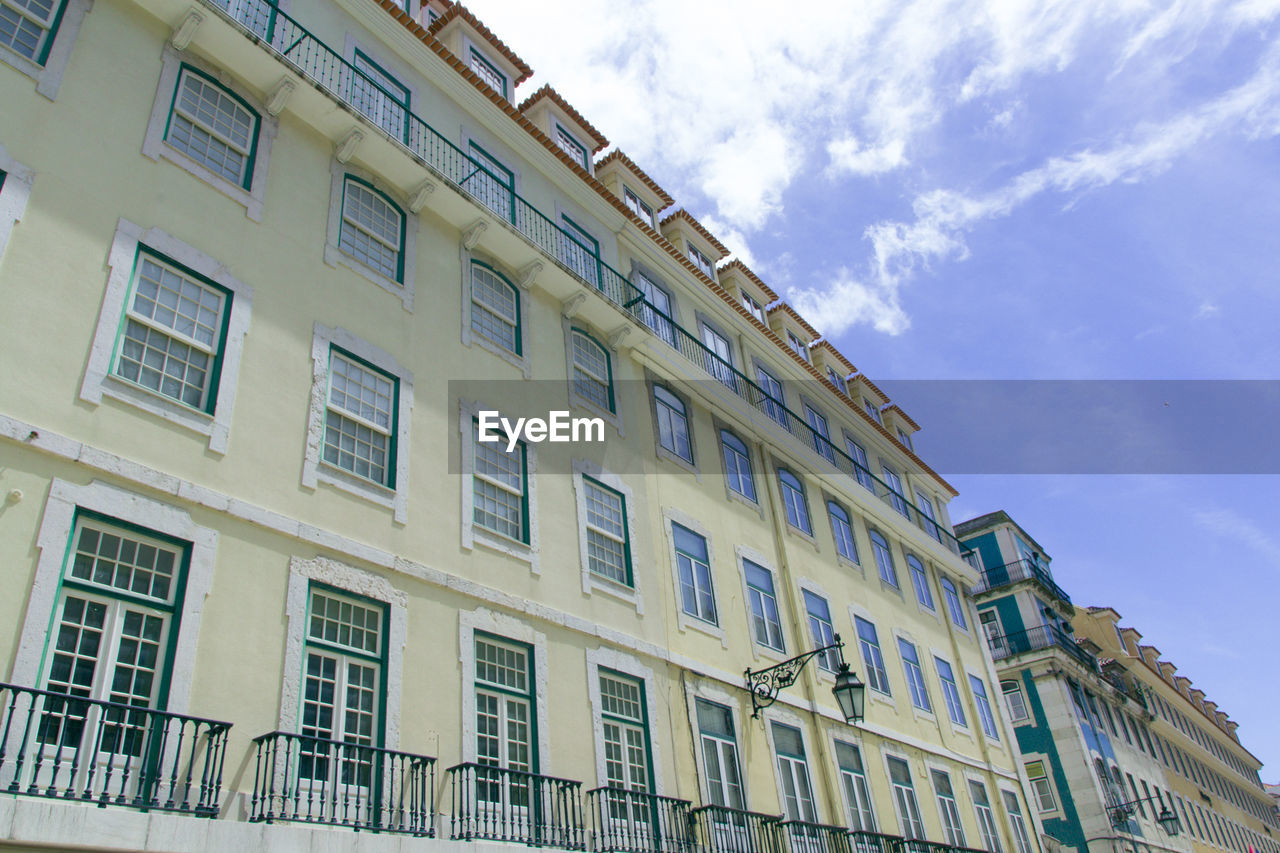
pixel 1235 528
pixel 849 155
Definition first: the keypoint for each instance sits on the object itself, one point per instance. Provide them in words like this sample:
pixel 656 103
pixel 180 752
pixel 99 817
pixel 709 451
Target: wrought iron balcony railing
pixel 498 804
pixel 635 822
pixel 317 780
pixel 873 842
pixel 719 829
pixel 1019 570
pixel 802 837
pixel 1043 637
pixel 73 748
pixel 292 44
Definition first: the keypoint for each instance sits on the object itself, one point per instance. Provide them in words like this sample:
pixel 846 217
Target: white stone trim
pixel 343 577
pixel 931 763
pixel 627 665
pixel 575 399
pixel 14 194
pixel 48 77
pixel 507 627
pixel 472 533
pixel 930 715
pixel 694 690
pixel 470 338
pixel 333 254
pixel 98 377
pixel 963 729
pixel 803 585
pixel 759 650
pixel 314 469
pixel 154 146
pixel 685 621
pixel 57 523
pixel 591 582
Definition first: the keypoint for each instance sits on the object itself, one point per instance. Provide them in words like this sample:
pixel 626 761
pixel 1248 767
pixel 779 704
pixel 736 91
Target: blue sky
pixel 1068 189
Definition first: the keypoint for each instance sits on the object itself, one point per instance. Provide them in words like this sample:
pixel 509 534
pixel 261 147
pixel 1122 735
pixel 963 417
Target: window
pixel 951 828
pixel 495 308
pixel 489 73
pixel 571 146
pixel 798 346
pixel 954 605
pixel 766 628
pixel 822 435
pixel 836 379
pixel 773 400
pixel 381 97
pixel 608 544
pixel 673 423
pixel 1015 701
pixel 984 707
pixel 920 581
pixel 500 497
pixel 492 183
pixel 638 207
pixel 991 628
pixel 895 491
pixel 1039 779
pixel 861 467
pixel 884 559
pixel 505 719
pixel 655 311
pixel 625 719
pixel 579 251
pixel 1016 823
pixel 797 795
pixel 986 823
pixel 915 676
pixel 359 424
pixel 212 127
pixel 842 532
pixel 27 27
pixel 820 626
pixel 904 798
pixel 171 342
pixel 793 500
pixel 342 694
pixel 592 370
pixel 926 508
pixel 904 439
pixel 718 357
pixel 700 261
pixel 856 791
pixel 754 308
pixel 720 755
pixel 737 465
pixel 869 643
pixel 694 567
pixel 950 692
pixel 873 410
pixel 372 229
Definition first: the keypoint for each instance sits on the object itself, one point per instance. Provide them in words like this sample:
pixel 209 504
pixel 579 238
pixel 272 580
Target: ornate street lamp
pixel 1168 821
pixel 850 693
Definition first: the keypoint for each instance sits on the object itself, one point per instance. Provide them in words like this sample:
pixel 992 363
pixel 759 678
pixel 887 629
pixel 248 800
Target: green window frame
pixel 227 146
pixel 592 370
pixel 914 675
pixel 904 798
pixel 173 331
pixel 638 207
pixel 495 308
pixel 361 418
pixel 853 777
pixel 701 261
pixel 842 532
pixel 628 751
pixel 580 251
pixel 793 770
pixel 371 229
pixel 500 487
pixel 606 532
pixel 673 423
pixel 379 96
pixel 884 558
pixel 762 603
pixel 952 829
pixel 28 27
pixel 492 183
pixel 720 754
pixel 506 711
pixel 693 567
pixel 737 465
pixel 954 605
pixel 920 580
pixel 489 73
pixel 569 144
pixel 793 500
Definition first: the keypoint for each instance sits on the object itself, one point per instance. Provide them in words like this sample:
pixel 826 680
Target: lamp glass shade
pixel 851 694
pixel 1168 821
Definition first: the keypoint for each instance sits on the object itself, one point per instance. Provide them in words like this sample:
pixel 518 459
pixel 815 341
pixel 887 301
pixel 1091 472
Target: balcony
pixel 802 837
pixel 1019 570
pixel 873 842
pixel 497 804
pixel 635 822
pixel 107 753
pixel 315 780
pixel 719 829
pixel 1044 637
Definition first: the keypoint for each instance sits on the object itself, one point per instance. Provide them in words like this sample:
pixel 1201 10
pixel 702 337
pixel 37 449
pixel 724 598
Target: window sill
pixel 335 257
pixel 487 538
pixel 743 499
pixel 685 621
pixel 235 192
pixel 882 698
pixel 593 583
pixel 352 484
pixel 582 403
pixel 896 590
pixel 679 461
pixel 800 533
pixel 167 408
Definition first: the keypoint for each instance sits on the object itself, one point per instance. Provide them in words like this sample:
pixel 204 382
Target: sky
pixel 981 189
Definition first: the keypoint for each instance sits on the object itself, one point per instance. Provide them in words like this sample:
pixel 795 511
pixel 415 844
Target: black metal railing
pixel 1020 570
pixel 635 822
pixel 56 745
pixel 719 829
pixel 498 804
pixel 804 837
pixel 317 780
pixel 920 845
pixel 873 842
pixel 1043 637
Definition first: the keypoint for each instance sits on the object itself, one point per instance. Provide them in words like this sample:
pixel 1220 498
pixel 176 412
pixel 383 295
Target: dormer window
pixel 800 347
pixel 836 379
pixel 432 15
pixel 489 73
pixel 571 146
pixel 756 309
pixel 905 439
pixel 700 260
pixel 872 410
pixel 638 207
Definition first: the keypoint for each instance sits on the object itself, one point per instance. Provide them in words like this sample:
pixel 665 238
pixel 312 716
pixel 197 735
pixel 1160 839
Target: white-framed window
pixel 719 356
pixel 605 529
pixel 842 532
pixel 624 722
pixel 673 424
pixel 737 465
pixel 793 773
pixel 925 505
pixel 693 568
pixel 821 629
pixel 873 410
pixel 857 794
pixel 570 145
pixel 377 94
pixel 872 657
pixel 896 494
pixel 904 439
pixel 500 488
pixel 700 260
pixel 487 71
pixel 506 719
pixel 493 313
pixel 920 580
pixel 1021 840
pixel 171 333
pixel 579 250
pixel 762 604
pixel 793 500
pixel 986 822
pixel 592 376
pixel 1038 776
pixel 491 183
pixel 980 699
pixel 798 346
pixel 836 379
pixel 822 434
pixel 952 830
pixel 754 308
pixel 720 755
pixel 904 798
pixel 884 558
pixel 950 692
pixel 212 129
pixel 655 312
pixel 954 605
pixel 1015 701
pixel 358 429
pixel 36 37
pixel 638 207
pixel 914 674
pixel 774 402
pixel 862 468
pixel 370 234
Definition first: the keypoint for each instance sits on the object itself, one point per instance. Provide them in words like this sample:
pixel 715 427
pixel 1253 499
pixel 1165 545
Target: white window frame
pixel 1046 776
pixel 795 767
pixel 700 260
pixel 314 471
pixel 993 733
pixel 592 582
pixel 753 306
pixel 862 803
pixel 952 698
pixel 907 827
pixel 621 662
pixel 798 346
pixel 985 816
pixel 1017 821
pixel 48 76
pixel 927 707
pixel 511 629
pixel 18 180
pixel 99 378
pixel 334 255
pixel 489 67
pixel 561 134
pixel 155 147
pixel 750 593
pixel 700 691
pixel 1022 699
pixel 638 206
pixel 948 807
pixel 686 621
pixel 475 535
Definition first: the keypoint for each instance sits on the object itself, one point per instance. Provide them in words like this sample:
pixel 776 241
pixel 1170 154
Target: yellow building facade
pixel 272 270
